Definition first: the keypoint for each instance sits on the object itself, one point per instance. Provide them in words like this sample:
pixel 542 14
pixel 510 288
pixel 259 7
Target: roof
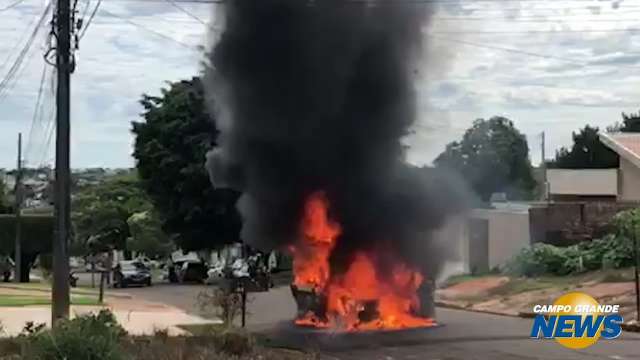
pixel 627 145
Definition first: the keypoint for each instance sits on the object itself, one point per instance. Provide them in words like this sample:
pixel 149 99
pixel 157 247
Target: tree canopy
pixel 493 156
pixel 171 144
pixel 630 123
pixel 102 216
pixel 587 152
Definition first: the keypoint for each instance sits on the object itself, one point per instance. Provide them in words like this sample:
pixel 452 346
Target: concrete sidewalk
pixel 137 321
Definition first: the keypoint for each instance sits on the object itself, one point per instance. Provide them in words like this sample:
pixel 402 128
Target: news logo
pixel 576 321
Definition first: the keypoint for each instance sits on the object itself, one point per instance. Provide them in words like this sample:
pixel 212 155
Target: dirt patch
pixel 473 288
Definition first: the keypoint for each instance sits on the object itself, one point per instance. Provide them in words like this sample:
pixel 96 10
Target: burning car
pixel 363 297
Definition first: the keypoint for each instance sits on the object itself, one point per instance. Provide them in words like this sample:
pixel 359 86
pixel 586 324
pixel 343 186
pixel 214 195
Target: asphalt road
pixel 462 335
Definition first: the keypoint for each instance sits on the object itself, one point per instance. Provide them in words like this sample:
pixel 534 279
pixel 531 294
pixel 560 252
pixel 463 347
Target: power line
pixel 190 14
pixel 50 125
pixel 12 5
pixel 37 108
pixel 17 44
pixel 522 52
pixel 563 31
pixel 536 19
pixel 93 14
pixel 18 62
pixel 145 28
pixel 86 10
pixel 390 2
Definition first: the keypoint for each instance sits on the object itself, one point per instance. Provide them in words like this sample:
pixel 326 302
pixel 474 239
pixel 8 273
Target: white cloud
pixel 117 62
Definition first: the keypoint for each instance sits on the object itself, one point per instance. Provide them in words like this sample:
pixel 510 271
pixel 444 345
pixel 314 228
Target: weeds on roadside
pixel 225 304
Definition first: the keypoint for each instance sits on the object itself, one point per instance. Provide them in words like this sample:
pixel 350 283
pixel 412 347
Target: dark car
pixel 188 271
pixel 131 273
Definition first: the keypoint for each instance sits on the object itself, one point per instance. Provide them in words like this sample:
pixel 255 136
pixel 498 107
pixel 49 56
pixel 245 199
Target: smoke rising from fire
pixel 317 96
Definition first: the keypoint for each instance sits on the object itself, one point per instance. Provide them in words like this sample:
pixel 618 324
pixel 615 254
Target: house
pixel 627 146
pixel 620 184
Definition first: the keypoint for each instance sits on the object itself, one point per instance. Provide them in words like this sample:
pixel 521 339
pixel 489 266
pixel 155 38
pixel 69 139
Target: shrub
pixel 89 337
pixel 610 252
pixel 541 259
pixel 223 303
pixel 233 343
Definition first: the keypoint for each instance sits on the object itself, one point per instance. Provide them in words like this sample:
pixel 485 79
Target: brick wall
pixel 567 223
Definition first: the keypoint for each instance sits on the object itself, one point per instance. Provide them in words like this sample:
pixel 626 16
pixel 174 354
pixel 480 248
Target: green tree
pixel 630 123
pixel 493 156
pixel 587 152
pixel 37 238
pixel 147 236
pixel 170 148
pixel 101 212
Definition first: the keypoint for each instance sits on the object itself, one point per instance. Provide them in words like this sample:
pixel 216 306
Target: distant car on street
pixel 188 270
pixel 151 264
pixel 129 273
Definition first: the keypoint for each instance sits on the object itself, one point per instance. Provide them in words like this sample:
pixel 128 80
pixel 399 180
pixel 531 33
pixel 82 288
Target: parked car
pixel 151 264
pixel 216 272
pixel 188 271
pixel 6 267
pixel 131 273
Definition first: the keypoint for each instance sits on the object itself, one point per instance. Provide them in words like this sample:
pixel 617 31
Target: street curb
pixel 78 293
pixel 630 327
pixel 447 305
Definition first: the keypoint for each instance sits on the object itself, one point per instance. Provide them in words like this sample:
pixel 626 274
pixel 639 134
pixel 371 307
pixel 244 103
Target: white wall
pixel 589 182
pixel 629 181
pixel 508 234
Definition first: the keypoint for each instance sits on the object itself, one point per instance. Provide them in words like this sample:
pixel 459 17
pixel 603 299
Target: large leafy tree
pixel 147 236
pixel 493 156
pixel 587 152
pixel 170 148
pixel 101 213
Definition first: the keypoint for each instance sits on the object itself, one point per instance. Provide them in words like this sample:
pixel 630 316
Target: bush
pixel 541 259
pixel 233 343
pixel 223 303
pixel 610 252
pixel 89 337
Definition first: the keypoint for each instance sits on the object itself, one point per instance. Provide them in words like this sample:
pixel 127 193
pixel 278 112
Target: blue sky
pixel 588 74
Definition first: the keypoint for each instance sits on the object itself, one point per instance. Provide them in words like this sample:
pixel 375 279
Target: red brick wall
pixel 567 223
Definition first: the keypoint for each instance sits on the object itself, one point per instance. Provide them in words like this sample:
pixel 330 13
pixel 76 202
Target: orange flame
pixel 350 295
pixel 311 260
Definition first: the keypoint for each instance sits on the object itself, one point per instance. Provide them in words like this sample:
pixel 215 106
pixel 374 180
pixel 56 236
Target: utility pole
pixel 18 205
pixel 62 198
pixel 636 263
pixel 543 166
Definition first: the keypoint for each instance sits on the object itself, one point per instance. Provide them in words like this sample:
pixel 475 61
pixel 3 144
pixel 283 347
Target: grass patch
pixel 20 301
pixel 457 279
pixel 521 285
pixel 46 287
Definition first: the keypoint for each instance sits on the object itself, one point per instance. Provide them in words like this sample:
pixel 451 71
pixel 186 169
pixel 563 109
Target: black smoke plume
pixel 317 96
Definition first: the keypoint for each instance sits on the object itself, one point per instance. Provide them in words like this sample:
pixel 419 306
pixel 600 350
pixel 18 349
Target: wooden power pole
pixel 62 197
pixel 18 208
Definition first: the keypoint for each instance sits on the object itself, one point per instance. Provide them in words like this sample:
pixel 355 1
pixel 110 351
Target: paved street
pixel 463 335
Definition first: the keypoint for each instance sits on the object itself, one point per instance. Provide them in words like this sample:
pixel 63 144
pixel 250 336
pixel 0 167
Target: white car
pixel 216 272
pixel 151 264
